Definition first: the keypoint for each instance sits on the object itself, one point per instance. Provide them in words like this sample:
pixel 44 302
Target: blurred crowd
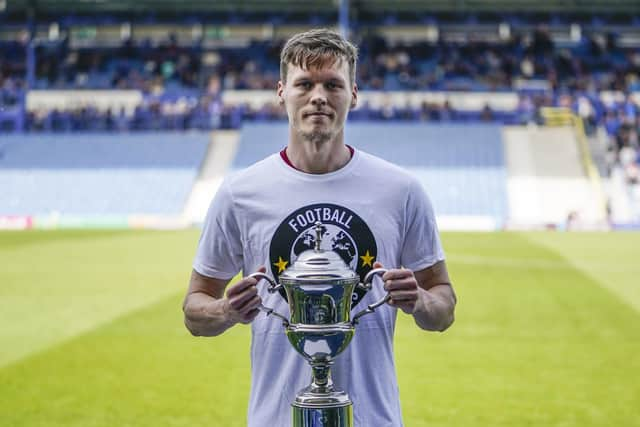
pixel 624 149
pixel 208 112
pixel 594 63
pixel 183 85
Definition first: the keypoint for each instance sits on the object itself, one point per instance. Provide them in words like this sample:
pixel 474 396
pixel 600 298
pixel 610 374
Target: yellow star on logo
pixel 367 259
pixel 281 264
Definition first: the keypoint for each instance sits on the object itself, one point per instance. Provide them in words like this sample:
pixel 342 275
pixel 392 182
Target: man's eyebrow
pixel 331 79
pixel 301 79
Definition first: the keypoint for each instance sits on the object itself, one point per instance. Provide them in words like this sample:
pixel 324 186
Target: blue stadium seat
pixel 462 167
pixel 98 174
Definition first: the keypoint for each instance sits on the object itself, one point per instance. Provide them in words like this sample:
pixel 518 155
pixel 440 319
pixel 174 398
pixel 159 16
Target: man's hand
pixel 426 294
pixel 402 286
pixel 208 312
pixel 242 300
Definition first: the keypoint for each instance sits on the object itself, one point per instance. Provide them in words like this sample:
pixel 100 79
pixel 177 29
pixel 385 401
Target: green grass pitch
pixel 547 334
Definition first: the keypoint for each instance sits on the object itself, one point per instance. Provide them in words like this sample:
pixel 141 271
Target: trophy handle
pixel 367 284
pixel 273 287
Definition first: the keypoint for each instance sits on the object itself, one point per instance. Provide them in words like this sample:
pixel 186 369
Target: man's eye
pixel 305 85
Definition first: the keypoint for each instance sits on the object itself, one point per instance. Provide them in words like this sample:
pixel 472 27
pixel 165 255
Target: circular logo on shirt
pixel 342 231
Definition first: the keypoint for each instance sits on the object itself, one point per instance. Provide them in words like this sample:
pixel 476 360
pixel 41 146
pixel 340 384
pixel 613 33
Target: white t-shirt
pixel 371 211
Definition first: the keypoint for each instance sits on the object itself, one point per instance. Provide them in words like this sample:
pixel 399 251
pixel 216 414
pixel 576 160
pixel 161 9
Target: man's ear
pixel 279 91
pixel 354 96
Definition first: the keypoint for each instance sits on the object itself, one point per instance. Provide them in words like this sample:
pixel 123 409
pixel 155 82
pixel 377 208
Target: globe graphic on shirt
pixel 333 238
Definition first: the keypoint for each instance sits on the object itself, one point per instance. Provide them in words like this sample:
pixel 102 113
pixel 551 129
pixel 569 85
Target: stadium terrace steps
pixel 555 152
pixel 461 167
pixel 546 179
pixel 222 150
pixel 99 175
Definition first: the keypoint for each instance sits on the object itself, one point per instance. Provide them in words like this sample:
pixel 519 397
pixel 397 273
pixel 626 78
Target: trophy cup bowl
pixel 319 287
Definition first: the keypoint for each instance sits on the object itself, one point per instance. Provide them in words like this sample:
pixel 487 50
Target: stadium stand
pixel 547 181
pixel 531 63
pixel 97 175
pixel 222 150
pixel 184 66
pixel 80 66
pixel 448 160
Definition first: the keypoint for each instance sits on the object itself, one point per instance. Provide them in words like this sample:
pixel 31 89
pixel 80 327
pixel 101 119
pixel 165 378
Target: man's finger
pixel 240 286
pixel 398 284
pixel 251 305
pixel 245 282
pixel 397 273
pixel 404 296
pixel 251 315
pixel 240 300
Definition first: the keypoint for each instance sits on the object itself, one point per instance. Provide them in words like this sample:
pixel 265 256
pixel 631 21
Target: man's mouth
pixel 317 113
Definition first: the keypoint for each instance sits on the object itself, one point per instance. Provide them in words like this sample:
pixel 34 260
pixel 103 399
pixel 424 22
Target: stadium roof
pixel 373 6
pixel 87 6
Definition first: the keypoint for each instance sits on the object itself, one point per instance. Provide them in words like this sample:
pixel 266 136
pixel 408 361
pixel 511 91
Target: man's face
pixel 318 100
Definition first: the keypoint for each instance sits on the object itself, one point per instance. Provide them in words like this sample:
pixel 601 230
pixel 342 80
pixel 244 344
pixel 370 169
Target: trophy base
pixel 340 416
pixel 330 408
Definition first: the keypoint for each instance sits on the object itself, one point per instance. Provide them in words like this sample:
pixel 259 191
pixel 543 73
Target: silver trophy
pixel 319 286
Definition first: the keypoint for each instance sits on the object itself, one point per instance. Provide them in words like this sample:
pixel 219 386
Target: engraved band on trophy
pixel 319 286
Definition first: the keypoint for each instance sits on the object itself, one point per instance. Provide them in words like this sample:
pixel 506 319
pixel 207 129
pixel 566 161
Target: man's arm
pixel 436 303
pixel 426 294
pixel 207 312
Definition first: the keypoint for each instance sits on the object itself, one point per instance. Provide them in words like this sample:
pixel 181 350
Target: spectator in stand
pixel 628 157
pixel 611 123
pixel 487 114
pixel 629 108
pixel 578 73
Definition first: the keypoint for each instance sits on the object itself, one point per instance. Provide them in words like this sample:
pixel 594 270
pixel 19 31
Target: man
pixel 373 213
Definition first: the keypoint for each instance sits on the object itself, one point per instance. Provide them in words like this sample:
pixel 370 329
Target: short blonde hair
pixel 317 48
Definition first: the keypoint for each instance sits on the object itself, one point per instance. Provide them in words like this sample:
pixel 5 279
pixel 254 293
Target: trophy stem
pixel 321 381
pixel 319 404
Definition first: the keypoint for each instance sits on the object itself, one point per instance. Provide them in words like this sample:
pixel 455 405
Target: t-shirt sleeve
pixel 422 247
pixel 219 253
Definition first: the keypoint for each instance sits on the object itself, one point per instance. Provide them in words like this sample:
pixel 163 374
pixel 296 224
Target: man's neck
pixel 318 158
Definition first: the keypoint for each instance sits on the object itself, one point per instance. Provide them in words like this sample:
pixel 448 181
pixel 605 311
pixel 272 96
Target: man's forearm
pixel 205 315
pixel 435 307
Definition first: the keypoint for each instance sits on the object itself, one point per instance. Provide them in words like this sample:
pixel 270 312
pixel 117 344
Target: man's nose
pixel 318 96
